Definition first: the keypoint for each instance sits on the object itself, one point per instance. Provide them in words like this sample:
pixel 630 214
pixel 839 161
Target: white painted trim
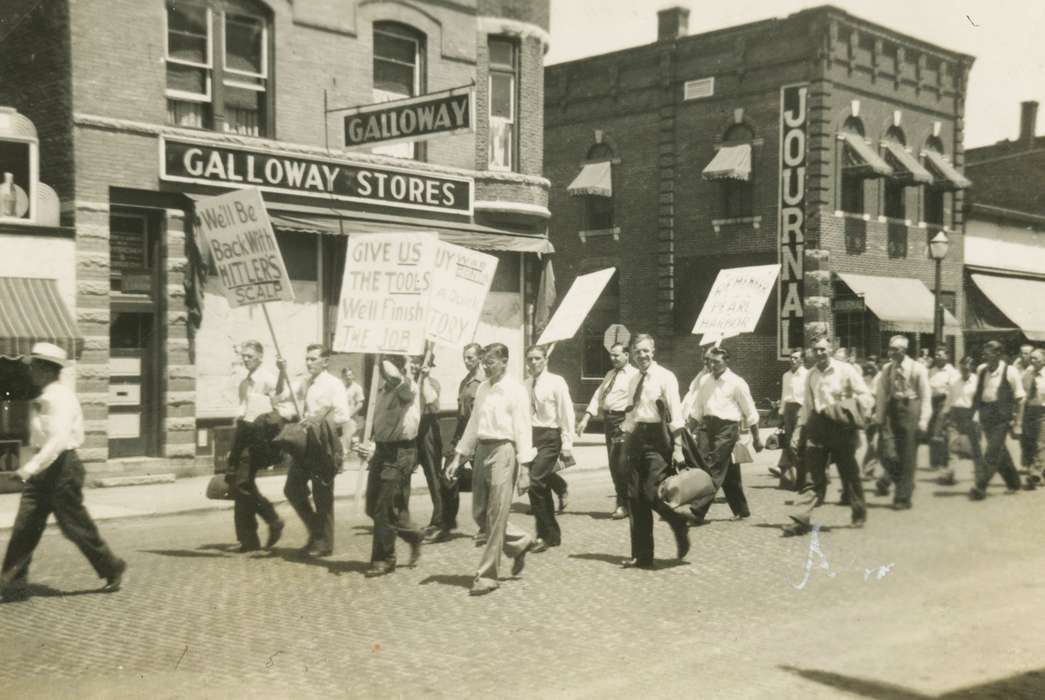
pixel 513 27
pixel 518 207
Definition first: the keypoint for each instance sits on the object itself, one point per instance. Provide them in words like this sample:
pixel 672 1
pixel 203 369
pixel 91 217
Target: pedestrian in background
pixel 792 395
pixel 610 401
pixel 941 376
pixel 430 442
pixel 903 408
pixel 871 430
pixel 959 417
pixel 1034 418
pixel 53 480
pixel 354 394
pixel 498 439
pixel 998 406
pixel 472 357
pixel 652 424
pixel 1024 364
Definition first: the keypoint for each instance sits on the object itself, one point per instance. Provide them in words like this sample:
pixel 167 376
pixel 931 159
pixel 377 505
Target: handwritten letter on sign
pixel 243 245
pixel 735 302
pixel 460 282
pixel 384 293
pixel 583 294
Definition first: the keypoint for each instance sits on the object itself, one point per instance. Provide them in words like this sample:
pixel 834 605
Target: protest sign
pixel 384 293
pixel 616 334
pixel 461 278
pixel 735 302
pixel 243 246
pixel 575 306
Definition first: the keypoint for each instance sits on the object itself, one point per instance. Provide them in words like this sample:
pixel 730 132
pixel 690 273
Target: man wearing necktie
pixel 903 408
pixel 1034 417
pixel 472 356
pixel 792 395
pixel 652 427
pixel 998 406
pixel 941 376
pixel 610 401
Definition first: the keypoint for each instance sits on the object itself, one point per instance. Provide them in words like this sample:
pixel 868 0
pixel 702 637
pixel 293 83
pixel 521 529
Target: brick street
pixel 945 599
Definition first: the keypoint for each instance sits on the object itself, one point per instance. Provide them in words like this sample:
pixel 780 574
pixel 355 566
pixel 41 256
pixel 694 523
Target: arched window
pixel 935 197
pixel 593 188
pixel 398 73
pixel 599 210
pixel 212 84
pixel 857 162
pixel 731 168
pixel 895 206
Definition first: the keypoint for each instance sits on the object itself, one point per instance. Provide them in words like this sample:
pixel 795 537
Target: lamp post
pixel 938 247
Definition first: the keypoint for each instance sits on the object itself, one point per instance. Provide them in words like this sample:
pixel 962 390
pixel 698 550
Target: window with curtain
pixel 504 73
pixel 895 205
pixel 398 74
pixel 852 181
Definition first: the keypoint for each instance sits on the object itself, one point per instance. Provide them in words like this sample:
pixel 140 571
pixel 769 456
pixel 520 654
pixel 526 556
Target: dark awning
pixel 861 157
pixel 947 176
pixel 905 165
pixel 31 311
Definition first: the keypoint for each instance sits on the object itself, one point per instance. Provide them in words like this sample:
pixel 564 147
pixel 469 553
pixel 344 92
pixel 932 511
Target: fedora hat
pixel 49 352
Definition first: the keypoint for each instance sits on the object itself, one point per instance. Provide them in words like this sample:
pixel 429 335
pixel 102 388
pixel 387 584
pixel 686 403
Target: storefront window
pixel 503 76
pixel 398 74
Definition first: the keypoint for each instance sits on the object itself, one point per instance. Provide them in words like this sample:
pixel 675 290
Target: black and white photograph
pixel 522 348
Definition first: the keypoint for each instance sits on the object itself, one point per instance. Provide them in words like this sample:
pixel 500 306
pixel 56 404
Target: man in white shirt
pixel 498 438
pixel 998 407
pixel 320 396
pixel 1034 417
pixel 472 357
pixel 792 394
pixel 941 376
pixel 53 480
pixel 256 425
pixel 903 407
pixel 1028 434
pixel 653 424
pixel 722 405
pixel 959 414
pixel 354 392
pixel 552 419
pixel 610 401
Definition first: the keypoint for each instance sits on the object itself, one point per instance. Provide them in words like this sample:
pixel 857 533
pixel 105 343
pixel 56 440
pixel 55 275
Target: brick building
pixel 820 141
pixel 143 107
pixel 1005 238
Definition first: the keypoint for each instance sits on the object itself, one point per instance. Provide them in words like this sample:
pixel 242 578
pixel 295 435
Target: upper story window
pixel 593 186
pixel 398 74
pixel 894 206
pixel 857 162
pixel 504 73
pixel 731 167
pixel 935 195
pixel 217 56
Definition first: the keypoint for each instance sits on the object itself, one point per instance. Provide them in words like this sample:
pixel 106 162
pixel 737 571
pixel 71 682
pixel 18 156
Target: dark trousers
pixel 548 442
pixel 615 453
pixel 388 498
pixel 316 509
pixel 832 441
pixel 59 490
pixel 996 458
pixel 938 452
pixel 1030 437
pixel 788 456
pixel 445 497
pixel 648 453
pixel 899 454
pixel 802 467
pixel 249 454
pixel 716 439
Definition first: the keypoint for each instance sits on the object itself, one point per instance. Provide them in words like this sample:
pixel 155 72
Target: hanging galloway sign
pixel 792 228
pixel 410 119
pixel 233 166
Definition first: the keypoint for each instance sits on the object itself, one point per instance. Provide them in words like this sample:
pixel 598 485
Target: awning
pixel 730 163
pixel 900 303
pixel 905 166
pixel 861 157
pixel 1019 299
pixel 31 311
pixel 594 179
pixel 947 176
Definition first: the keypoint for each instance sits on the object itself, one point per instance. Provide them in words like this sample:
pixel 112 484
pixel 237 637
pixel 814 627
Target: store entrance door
pixel 132 386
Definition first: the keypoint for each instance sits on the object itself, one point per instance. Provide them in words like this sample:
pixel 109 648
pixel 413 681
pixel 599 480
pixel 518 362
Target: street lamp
pixel 938 247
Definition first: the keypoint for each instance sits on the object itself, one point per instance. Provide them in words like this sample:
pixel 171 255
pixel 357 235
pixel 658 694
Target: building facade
pixel 822 142
pixel 1005 238
pixel 141 117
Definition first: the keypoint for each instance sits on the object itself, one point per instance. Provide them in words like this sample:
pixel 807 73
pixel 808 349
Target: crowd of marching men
pixel 669 451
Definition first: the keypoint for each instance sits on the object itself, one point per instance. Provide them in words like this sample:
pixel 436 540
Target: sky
pixel 1003 35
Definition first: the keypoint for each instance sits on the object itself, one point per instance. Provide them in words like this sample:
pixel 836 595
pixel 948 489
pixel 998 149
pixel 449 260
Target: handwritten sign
pixel 735 302
pixel 583 294
pixel 243 246
pixel 384 293
pixel 460 282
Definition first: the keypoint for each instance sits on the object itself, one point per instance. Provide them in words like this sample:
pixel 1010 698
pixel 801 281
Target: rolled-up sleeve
pixel 522 427
pixel 670 389
pixel 746 403
pixel 564 406
pixel 466 445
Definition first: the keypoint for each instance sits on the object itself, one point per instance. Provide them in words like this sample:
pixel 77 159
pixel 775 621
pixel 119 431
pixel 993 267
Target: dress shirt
pixel 826 388
pixel 941 378
pixel 612 394
pixel 551 405
pixel 660 384
pixel 255 394
pixel 992 380
pixel 962 391
pixel 726 397
pixel 501 412
pixel 794 386
pixel 397 411
pixel 56 425
pixel 1036 387
pixel 315 395
pixel 355 398
pixel 908 381
pixel 466 391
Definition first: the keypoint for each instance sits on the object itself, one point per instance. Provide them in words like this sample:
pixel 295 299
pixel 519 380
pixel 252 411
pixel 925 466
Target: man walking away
pixel 903 407
pixel 792 394
pixel 941 376
pixel 959 416
pixel 1034 418
pixel 997 407
pixel 472 356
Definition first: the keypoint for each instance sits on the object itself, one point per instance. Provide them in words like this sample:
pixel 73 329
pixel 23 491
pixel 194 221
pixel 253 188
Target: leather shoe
pixel 275 532
pixel 519 563
pixel 538 546
pixel 800 526
pixel 902 505
pixel 114 581
pixel 415 553
pixel 619 514
pixel 946 479
pixel 881 488
pixel 636 564
pixel 436 536
pixel 977 494
pixel 681 532
pixel 859 517
pixel 379 568
pixel 318 549
pixel 564 500
pixel 245 548
pixel 482 587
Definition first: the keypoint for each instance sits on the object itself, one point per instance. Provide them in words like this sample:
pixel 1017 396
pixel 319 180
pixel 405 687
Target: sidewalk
pixel 187 495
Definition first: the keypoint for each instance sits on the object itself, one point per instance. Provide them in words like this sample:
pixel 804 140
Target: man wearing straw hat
pixel 54 481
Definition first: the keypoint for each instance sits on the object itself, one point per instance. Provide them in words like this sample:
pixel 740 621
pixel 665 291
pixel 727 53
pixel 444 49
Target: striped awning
pixel 730 163
pixel 905 165
pixel 1019 299
pixel 32 311
pixel 861 157
pixel 901 303
pixel 594 179
pixel 947 176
